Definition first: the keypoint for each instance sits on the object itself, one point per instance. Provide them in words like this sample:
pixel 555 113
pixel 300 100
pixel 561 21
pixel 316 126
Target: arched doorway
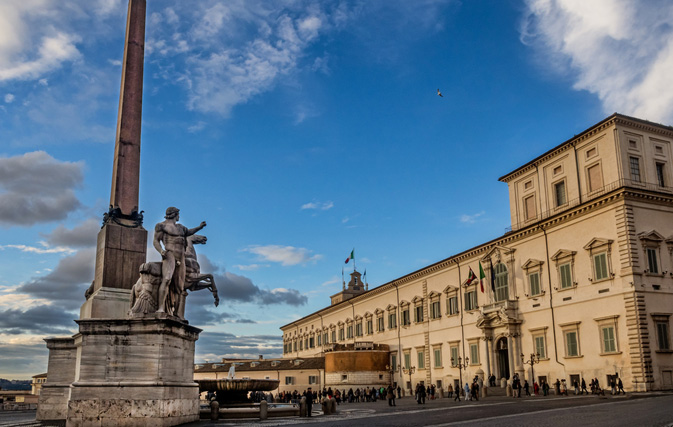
pixel 503 358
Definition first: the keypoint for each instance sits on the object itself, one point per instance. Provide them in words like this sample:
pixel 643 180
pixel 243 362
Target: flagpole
pixel 490 261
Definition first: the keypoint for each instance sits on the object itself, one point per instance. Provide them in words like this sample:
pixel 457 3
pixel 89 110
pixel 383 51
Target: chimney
pixel 261 357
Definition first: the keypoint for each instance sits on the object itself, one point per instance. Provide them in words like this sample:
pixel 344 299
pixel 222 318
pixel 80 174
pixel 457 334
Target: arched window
pixel 501 288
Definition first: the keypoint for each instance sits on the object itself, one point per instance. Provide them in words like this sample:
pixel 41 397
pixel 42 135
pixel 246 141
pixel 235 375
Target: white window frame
pixel 571 328
pixel 599 248
pixel 608 323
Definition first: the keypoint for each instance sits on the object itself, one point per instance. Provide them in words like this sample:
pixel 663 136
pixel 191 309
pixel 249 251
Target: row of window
pixel 571 337
pixel 594 181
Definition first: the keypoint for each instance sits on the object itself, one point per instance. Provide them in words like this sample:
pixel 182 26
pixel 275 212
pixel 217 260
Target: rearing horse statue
pixel 194 280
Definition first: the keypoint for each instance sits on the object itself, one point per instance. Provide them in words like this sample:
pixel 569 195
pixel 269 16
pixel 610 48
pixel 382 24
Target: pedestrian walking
pixel 391 396
pixel 620 386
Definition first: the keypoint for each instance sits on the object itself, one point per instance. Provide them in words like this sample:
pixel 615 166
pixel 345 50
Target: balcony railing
pixel 589 196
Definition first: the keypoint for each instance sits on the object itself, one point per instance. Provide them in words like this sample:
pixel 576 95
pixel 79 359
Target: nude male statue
pixel 174 239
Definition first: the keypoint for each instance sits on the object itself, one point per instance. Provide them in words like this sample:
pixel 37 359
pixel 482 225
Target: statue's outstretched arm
pixel 195 230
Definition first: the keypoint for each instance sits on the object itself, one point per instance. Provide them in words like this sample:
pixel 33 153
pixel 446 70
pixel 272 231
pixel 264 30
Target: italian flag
pixel 470 277
pixel 351 256
pixel 482 276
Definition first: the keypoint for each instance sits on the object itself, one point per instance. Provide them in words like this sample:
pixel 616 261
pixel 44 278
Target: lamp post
pixel 460 365
pixel 391 370
pixel 534 358
pixel 410 371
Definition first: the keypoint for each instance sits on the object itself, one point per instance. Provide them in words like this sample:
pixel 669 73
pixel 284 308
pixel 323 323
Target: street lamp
pixel 410 371
pixel 460 365
pixel 534 358
pixel 391 370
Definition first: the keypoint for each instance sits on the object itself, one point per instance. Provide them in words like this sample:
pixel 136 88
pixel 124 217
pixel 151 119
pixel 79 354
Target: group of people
pixel 423 392
pixel 357 395
pixel 561 388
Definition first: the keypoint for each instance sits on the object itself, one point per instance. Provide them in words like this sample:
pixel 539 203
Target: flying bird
pixel 439 93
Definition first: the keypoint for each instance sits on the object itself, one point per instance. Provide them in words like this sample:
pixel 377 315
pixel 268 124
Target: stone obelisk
pixel 122 241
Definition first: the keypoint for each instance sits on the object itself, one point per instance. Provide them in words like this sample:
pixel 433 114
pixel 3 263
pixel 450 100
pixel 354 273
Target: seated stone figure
pixel 144 294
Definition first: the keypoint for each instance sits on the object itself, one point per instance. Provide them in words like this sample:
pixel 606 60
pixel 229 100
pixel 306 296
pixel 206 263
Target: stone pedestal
pixel 120 251
pixel 134 372
pixel 53 402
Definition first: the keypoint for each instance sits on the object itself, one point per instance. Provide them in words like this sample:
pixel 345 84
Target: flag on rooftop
pixel 351 256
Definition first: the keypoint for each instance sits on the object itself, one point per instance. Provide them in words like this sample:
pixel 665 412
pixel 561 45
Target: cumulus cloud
pixel 44 248
pixel 620 50
pixel 323 206
pixel 40 36
pixel 213 346
pixel 36 188
pixel 233 51
pixel 43 320
pixel 65 286
pixel 286 255
pixel 200 316
pixel 9 98
pixel 82 235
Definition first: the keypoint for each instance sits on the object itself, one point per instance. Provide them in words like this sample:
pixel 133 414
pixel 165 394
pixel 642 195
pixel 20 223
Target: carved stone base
pixel 134 372
pixel 53 402
pixel 106 303
pixel 120 251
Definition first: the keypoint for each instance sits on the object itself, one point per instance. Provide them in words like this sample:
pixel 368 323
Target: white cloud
pixel 285 255
pixel 9 98
pixel 251 267
pixel 44 248
pixel 52 52
pixel 620 50
pixel 197 127
pixel 331 281
pixel 471 219
pixel 323 206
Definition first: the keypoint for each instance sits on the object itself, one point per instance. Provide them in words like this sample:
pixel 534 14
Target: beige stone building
pixel 584 278
pixel 37 383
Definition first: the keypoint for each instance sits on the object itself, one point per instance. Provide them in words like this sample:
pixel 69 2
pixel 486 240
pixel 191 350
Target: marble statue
pixel 194 278
pixel 173 236
pixel 162 286
pixel 144 292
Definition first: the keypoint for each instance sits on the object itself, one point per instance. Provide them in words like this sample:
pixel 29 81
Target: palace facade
pixel 582 283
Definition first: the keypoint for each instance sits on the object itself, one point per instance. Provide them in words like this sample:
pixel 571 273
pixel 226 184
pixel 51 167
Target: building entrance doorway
pixel 503 358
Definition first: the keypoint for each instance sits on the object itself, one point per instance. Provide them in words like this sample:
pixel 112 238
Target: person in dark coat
pixel 391 396
pixel 309 401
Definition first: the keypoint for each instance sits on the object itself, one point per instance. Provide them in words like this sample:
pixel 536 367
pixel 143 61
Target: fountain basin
pixel 235 390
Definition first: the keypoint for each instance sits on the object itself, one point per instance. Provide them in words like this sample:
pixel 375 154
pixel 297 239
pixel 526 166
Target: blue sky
pixel 298 130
